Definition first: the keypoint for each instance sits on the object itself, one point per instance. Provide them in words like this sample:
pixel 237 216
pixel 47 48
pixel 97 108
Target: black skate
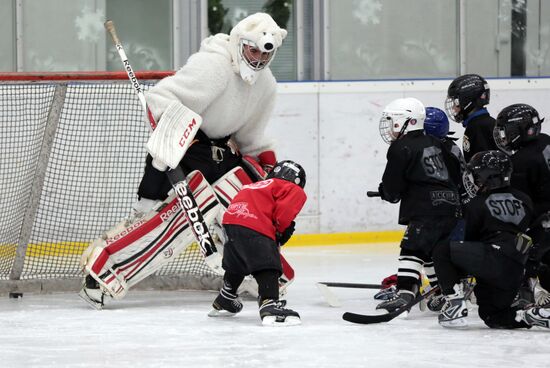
pixel 386 294
pixel 526 294
pixel 454 312
pixel 273 313
pixel 543 299
pixel 398 300
pixel 92 294
pixel 436 302
pixel 539 317
pixel 225 304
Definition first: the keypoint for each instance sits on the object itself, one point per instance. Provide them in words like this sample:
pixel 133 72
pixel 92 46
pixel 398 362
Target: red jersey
pixel 266 206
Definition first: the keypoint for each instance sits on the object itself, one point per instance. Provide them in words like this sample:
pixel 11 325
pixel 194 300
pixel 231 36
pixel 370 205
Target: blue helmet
pixel 436 123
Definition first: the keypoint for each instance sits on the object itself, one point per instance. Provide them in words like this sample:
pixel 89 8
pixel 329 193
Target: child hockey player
pixel 518 133
pixel 416 174
pixel 436 125
pixel 257 222
pixel 494 250
pixel 467 97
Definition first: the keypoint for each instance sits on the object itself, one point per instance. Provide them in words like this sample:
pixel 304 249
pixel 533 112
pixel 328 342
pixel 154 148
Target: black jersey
pixel 496 217
pixel 417 174
pixel 478 135
pixel 531 172
pixel 456 162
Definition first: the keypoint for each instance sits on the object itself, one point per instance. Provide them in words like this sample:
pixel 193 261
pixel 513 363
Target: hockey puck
pixel 16 295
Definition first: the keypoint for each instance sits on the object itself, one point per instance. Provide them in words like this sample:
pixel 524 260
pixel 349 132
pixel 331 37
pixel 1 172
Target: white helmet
pixel 254 41
pixel 400 117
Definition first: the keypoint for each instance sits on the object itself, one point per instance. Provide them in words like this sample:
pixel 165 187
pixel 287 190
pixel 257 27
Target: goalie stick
pixel 367 319
pixel 175 175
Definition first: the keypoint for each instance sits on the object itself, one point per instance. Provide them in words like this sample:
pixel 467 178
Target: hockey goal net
pixel 72 156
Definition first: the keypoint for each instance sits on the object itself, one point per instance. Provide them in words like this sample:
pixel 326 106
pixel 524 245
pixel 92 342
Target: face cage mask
pixel 450 105
pixel 469 184
pixel 472 188
pixel 386 128
pixel 499 135
pixel 255 63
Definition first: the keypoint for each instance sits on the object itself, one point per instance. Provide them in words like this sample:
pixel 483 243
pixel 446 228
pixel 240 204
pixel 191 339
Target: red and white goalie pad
pixel 125 257
pixel 230 184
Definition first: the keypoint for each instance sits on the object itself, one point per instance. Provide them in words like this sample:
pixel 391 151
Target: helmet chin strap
pixel 403 128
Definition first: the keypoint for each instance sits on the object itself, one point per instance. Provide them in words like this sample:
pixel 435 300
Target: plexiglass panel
pixel 7 36
pixel 380 39
pixel 62 35
pixel 145 28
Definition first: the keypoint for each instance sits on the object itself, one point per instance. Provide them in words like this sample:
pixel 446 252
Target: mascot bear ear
pixel 254 42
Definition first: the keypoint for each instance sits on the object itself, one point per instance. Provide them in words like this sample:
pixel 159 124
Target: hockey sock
pixel 268 284
pixel 447 273
pixel 430 273
pixel 231 282
pixel 408 273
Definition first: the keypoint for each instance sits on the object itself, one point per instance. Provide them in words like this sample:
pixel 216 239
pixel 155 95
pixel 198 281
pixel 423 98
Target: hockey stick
pixel 332 299
pixel 175 176
pixel 373 194
pixel 351 285
pixel 378 318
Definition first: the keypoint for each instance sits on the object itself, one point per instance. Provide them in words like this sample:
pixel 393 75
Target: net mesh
pixel 91 171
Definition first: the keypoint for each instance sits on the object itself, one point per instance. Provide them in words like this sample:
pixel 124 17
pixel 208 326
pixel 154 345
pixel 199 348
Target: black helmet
pixel 290 171
pixel 516 125
pixel 466 93
pixel 487 170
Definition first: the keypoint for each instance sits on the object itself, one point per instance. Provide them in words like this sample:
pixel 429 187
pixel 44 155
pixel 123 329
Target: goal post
pixel 72 152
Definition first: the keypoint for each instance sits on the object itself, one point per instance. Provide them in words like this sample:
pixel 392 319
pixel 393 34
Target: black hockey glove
pixel 385 196
pixel 283 237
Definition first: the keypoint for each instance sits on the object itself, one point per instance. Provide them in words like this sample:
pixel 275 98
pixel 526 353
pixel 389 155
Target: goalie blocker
pixel 135 249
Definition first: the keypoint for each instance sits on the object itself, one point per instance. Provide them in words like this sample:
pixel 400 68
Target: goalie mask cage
pixel 72 156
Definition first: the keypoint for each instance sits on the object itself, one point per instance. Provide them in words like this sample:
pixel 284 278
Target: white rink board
pixel 171 329
pixel 332 129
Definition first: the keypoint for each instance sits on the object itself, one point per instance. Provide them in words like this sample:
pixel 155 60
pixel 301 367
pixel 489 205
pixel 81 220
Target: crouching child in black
pixel 518 134
pixel 258 221
pixel 494 249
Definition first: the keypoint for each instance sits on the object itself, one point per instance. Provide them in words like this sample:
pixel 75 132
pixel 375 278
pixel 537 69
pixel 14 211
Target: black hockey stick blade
pixel 373 194
pixel 351 285
pixel 367 319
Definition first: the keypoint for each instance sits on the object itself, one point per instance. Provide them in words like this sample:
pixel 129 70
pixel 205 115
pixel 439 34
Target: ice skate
pixel 273 313
pixel 436 302
pixel 400 299
pixel 536 317
pixel 92 294
pixel 454 312
pixel 542 297
pixel 526 294
pixel 386 293
pixel 226 304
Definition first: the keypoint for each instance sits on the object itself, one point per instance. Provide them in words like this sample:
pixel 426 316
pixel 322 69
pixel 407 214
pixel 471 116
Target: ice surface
pixel 172 329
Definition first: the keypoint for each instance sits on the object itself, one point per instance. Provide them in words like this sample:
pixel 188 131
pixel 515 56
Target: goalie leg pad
pixel 230 184
pixel 145 246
